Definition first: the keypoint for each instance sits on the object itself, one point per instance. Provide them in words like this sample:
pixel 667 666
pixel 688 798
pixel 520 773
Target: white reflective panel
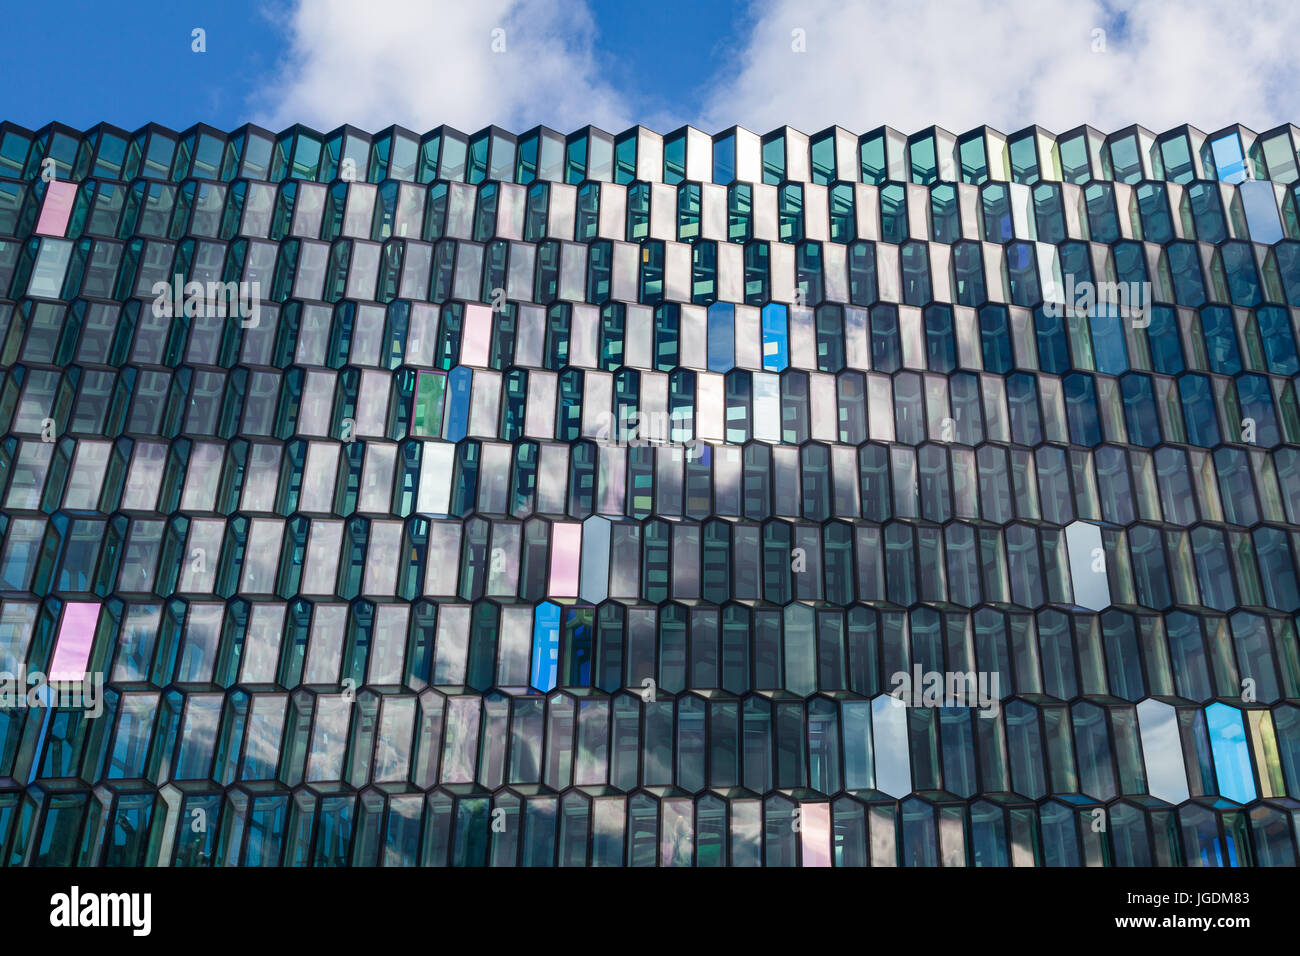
pixel 377 478
pixel 393 742
pixel 880 408
pixel 262 478
pixel 262 556
pixel 746 833
pixel 1162 751
pixel 443 558
pixel 530 336
pixel 519 285
pixel 597 396
pixel 503 562
pixel 516 644
pixel 485 392
pixel 383 553
pixel 573 271
pixel 803 338
pixel 639 338
pixel 436 470
pixel 611 481
pixel 911 332
pixel 317 403
pixel 510 210
pixel 654 401
pixel 145 476
pixel 749 338
pixel 835 270
pixel 325 646
pixel 553 479
pixel 329 738
pixel 1022 218
pixel 710 407
pixel 676 836
pixel 694 342
pixel 889 744
pixel 452 644
pixel 324 543
pixel 1259 201
pixel 713 220
pixel 677 272
pixel 1049 272
pixel 781 271
pixel 767 406
pixel 91 461
pixel 584 336
pixel 460 748
pixel 540 416
pixel 202 554
pixel 367 336
pixel 372 403
pixel 494 477
pixel 319 474
pixel 1087 566
pixel 823 407
pixel 51 265
pixel 261 655
pixel 422 334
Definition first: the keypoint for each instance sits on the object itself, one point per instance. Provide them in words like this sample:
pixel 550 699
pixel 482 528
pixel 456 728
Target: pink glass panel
pixel 816 833
pixel 476 340
pixel 76 636
pixel 566 546
pixel 56 209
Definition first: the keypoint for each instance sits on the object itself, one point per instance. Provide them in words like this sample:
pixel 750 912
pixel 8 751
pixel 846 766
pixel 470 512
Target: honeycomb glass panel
pixel 650 492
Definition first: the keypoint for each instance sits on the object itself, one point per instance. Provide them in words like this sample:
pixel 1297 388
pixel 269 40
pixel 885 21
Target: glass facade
pixel 745 500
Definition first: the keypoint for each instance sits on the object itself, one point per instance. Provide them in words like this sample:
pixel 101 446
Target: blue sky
pixel 612 63
pixel 82 62
pixel 92 62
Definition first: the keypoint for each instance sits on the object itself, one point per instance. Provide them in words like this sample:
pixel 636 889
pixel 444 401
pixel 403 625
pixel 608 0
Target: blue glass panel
pixel 1221 340
pixel 1243 280
pixel 546 647
pixel 459 380
pixel 1163 338
pixel 1279 341
pixel 886 348
pixel 724 160
pixel 722 337
pixel 1081 409
pixel 1229 163
pixel 1231 752
pixel 1139 401
pixel 940 342
pixel 776 334
pixel 995 338
pixel 1256 401
pixel 1108 348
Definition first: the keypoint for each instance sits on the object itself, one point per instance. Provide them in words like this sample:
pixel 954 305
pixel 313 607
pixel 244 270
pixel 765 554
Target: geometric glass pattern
pixel 639 499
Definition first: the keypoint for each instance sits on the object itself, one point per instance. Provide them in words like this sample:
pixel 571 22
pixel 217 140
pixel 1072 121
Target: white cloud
pixel 421 63
pixel 908 63
pixel 1011 63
